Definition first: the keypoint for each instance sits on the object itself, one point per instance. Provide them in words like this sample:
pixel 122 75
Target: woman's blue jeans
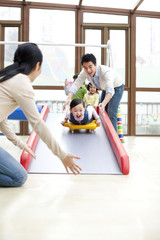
pixel 112 107
pixel 12 173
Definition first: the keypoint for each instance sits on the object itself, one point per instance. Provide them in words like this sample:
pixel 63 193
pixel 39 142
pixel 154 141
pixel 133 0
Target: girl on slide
pixel 16 90
pixel 79 114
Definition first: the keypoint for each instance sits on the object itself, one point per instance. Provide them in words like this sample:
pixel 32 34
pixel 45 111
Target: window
pixel 93 37
pixel 118 43
pixel 104 18
pixel 147 52
pixel 54 26
pixel 148 113
pixel 10 13
pixel 11 34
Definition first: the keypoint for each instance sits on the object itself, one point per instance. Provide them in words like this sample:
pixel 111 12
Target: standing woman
pixel 16 90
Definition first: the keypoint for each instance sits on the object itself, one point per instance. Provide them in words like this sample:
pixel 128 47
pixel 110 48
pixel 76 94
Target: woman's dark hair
pixel 87 58
pixel 76 102
pixel 25 58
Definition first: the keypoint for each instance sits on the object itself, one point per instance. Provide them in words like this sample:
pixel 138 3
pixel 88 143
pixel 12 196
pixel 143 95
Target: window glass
pixel 53 98
pixel 118 52
pixel 48 28
pixel 93 37
pixel 147 52
pixel 149 5
pixel 104 18
pixel 148 113
pixel 123 4
pixel 10 13
pixel 11 34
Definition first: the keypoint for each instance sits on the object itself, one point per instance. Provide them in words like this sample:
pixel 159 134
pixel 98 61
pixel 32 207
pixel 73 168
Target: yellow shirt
pixel 93 100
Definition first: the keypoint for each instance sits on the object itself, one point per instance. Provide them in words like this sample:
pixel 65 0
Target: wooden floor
pixel 87 207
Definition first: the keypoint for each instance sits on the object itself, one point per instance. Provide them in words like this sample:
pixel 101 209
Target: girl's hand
pixel 66 82
pixel 63 122
pixel 27 149
pixel 69 163
pixel 98 121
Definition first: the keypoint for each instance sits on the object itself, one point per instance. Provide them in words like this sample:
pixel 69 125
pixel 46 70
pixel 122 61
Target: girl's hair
pixel 75 76
pixel 88 87
pixel 88 57
pixel 76 102
pixel 25 58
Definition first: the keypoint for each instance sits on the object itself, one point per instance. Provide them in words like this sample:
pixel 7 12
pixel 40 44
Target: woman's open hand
pixel 27 149
pixel 69 163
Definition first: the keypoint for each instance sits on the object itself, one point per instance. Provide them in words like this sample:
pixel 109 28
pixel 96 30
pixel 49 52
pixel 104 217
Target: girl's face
pixel 92 89
pixel 78 112
pixel 89 68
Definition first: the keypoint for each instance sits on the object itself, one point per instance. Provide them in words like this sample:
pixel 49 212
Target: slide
pixel 101 152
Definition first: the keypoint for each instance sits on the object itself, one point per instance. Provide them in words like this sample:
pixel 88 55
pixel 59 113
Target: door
pixel 119 36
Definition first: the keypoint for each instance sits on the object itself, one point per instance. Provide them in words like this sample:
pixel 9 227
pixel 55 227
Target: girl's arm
pixel 66 90
pixel 94 114
pixel 67 117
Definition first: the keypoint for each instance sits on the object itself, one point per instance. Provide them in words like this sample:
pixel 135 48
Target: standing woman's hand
pixel 69 163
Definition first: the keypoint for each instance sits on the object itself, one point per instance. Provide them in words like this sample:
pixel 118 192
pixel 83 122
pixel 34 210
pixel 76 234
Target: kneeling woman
pixel 16 90
pixel 79 114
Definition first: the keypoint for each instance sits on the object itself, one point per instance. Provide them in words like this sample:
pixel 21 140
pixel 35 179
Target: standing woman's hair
pixel 25 59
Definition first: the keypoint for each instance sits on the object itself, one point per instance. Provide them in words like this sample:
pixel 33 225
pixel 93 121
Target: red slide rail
pixel 118 149
pixel 32 141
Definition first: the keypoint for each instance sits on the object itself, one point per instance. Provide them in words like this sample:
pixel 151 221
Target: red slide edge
pixel 117 146
pixel 32 141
